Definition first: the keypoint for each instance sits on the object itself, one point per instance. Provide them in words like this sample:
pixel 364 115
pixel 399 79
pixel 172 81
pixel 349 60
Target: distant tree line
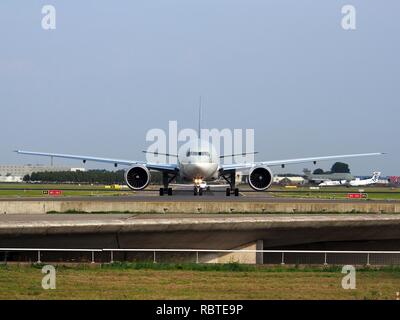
pixel 85 177
pixel 117 177
pixel 91 176
pixel 338 167
pixel 287 175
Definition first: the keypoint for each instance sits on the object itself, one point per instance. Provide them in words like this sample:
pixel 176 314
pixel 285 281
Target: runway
pixel 187 196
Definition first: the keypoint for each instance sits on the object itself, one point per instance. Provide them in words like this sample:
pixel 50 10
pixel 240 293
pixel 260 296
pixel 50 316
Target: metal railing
pixel 324 257
pixel 41 250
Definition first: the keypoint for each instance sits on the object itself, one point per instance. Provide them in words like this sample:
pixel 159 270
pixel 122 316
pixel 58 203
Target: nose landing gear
pixel 198 191
pixel 199 186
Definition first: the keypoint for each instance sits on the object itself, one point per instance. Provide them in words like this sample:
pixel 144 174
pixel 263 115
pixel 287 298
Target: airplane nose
pixel 199 169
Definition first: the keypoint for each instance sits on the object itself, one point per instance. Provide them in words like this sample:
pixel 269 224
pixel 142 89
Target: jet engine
pixel 260 178
pixel 137 177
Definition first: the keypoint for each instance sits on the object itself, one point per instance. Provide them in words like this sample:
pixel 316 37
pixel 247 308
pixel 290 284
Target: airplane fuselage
pixel 198 161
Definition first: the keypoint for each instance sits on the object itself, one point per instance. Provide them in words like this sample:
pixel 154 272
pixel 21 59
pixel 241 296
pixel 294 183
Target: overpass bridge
pixel 201 231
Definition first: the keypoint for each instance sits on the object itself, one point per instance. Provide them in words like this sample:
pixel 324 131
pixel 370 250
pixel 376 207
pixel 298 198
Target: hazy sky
pixel 112 70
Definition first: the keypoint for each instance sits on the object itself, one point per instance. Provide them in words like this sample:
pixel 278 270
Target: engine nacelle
pixel 137 177
pixel 260 178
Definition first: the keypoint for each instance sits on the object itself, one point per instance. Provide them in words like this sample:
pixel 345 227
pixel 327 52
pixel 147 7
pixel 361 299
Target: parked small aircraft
pixel 352 183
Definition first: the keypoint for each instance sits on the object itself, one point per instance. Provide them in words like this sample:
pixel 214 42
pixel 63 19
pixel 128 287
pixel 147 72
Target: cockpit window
pixel 200 153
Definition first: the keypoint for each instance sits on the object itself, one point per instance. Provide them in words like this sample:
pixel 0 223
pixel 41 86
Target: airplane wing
pixel 241 166
pixel 150 166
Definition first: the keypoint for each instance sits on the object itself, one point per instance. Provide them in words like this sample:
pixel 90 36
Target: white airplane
pixel 199 163
pixel 365 182
pixel 352 183
pixel 332 183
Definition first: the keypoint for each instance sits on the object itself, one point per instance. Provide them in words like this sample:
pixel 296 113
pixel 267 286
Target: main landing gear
pixel 230 177
pixel 166 181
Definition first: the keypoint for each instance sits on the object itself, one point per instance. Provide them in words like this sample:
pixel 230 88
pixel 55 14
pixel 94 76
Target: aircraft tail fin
pixel 199 128
pixel 376 176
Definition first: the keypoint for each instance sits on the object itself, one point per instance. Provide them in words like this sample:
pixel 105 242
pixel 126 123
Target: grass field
pixel 374 193
pixel 36 190
pixel 335 195
pixel 174 282
pixel 30 193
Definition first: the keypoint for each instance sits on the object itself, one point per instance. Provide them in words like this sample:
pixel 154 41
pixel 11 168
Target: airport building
pixel 296 180
pixel 15 173
pixel 395 180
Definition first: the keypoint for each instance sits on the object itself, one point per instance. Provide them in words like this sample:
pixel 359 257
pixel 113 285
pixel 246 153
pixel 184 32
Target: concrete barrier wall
pixel 231 257
pixel 42 207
